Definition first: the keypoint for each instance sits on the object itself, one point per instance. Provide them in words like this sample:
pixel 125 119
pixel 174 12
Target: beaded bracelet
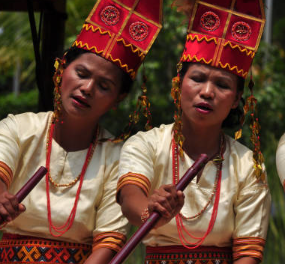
pixel 144 215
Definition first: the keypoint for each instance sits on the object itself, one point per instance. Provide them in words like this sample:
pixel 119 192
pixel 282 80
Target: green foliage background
pixel 269 77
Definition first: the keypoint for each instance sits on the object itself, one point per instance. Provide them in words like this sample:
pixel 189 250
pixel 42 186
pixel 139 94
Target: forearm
pixel 100 256
pixel 3 187
pixel 246 260
pixel 133 202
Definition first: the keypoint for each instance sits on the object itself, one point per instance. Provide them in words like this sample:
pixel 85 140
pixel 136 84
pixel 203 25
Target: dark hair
pixel 233 118
pixel 74 52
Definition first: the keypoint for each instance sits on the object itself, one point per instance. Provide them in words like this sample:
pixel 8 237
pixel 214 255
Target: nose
pixel 207 90
pixel 87 87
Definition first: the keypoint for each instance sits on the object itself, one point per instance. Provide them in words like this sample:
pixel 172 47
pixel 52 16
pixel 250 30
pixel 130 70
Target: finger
pixel 21 208
pixel 170 188
pixel 10 203
pixel 14 201
pixel 5 216
pixel 180 201
pixel 161 210
pixel 169 192
pixel 164 199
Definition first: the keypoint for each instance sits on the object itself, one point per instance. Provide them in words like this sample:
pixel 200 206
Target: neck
pixel 206 140
pixel 74 134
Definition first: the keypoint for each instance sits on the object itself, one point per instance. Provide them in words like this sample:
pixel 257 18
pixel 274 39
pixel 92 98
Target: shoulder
pixel 280 160
pixel 240 157
pixel 241 161
pixel 26 122
pixel 29 117
pixel 236 148
pixel 109 149
pixel 152 136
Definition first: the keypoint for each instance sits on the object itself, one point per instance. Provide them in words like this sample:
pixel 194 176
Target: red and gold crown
pixel 122 31
pixel 225 34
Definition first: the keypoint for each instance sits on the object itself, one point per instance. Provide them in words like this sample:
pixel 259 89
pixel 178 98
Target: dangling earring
pixel 57 78
pixel 251 106
pixel 143 105
pixel 176 95
pixel 238 134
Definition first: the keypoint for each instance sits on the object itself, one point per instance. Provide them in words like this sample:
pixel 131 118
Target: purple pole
pixel 154 217
pixel 31 183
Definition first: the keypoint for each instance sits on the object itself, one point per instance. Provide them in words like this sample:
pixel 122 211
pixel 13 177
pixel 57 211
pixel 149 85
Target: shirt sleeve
pixel 252 210
pixel 280 160
pixel 137 162
pixel 111 226
pixel 9 148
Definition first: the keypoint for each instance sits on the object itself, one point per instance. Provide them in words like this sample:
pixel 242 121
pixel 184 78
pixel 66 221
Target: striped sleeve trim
pixel 6 174
pixel 248 247
pixel 136 179
pixel 111 240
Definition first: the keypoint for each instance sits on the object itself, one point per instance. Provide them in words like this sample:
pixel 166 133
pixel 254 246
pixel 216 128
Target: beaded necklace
pixel 216 192
pixel 58 231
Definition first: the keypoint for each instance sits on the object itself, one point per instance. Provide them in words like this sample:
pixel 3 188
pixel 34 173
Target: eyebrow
pixel 223 74
pixel 198 71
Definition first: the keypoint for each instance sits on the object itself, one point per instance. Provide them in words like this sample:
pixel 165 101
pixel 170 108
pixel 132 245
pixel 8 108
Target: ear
pixel 237 99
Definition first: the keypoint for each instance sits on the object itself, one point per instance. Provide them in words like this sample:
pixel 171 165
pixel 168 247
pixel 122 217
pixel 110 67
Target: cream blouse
pixel 280 160
pixel 244 206
pixel 23 141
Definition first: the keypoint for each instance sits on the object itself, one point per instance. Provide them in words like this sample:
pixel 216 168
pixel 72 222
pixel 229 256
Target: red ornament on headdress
pixel 122 31
pixel 225 34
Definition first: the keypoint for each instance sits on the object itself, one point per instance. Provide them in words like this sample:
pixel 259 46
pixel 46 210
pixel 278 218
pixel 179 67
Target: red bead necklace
pixel 179 222
pixel 58 231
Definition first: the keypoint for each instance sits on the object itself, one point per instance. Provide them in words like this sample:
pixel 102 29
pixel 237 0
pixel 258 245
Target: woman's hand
pixel 9 207
pixel 167 202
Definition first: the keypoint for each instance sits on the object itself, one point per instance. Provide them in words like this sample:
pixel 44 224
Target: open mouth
pixel 204 107
pixel 80 101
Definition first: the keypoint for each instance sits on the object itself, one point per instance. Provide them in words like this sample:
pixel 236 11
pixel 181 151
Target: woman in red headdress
pixel 222 217
pixel 72 216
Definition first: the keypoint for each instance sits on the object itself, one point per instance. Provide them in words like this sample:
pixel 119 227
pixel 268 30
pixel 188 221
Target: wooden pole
pixel 154 217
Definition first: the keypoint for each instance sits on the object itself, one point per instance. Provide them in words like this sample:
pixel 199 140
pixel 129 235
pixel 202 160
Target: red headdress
pixel 225 34
pixel 122 31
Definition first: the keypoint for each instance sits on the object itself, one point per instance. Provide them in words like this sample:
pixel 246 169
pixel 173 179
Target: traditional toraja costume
pixel 147 160
pixel 23 140
pixel 73 211
pixel 280 160
pixel 225 215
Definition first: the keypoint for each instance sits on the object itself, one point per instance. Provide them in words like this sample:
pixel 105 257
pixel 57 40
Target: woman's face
pixel 90 87
pixel 207 95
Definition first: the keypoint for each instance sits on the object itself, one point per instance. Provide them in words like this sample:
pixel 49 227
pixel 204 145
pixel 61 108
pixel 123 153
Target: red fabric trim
pixel 6 175
pixel 181 249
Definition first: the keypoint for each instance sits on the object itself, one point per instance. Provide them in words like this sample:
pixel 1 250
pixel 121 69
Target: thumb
pixel 22 207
